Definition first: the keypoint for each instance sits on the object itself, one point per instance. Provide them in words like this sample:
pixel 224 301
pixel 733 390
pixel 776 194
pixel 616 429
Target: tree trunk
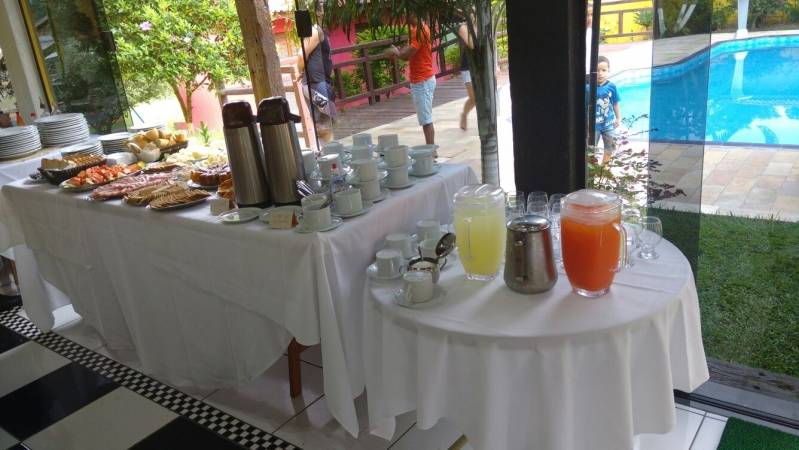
pixel 484 82
pixel 176 90
pixel 259 44
pixel 189 113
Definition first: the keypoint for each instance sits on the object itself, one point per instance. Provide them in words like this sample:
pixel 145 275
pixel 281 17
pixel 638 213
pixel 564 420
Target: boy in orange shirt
pixel 419 53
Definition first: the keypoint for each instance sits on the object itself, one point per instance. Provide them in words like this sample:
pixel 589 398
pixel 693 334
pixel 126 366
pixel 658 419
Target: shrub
pixel 381 70
pixel 759 10
pixel 452 55
pixel 644 18
pixel 352 84
pixel 502 47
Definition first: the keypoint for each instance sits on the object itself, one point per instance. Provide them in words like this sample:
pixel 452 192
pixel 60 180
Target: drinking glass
pixel 650 237
pixel 538 207
pixel 514 206
pixel 554 218
pixel 554 202
pixel 537 196
pixel 631 221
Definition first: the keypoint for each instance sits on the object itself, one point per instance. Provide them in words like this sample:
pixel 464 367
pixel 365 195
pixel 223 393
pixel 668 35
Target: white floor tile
pixel 679 438
pixel 690 408
pixel 440 437
pixel 265 402
pixel 64 316
pixel 116 420
pixel 313 355
pixel 709 434
pixel 25 363
pixel 6 440
pixel 317 429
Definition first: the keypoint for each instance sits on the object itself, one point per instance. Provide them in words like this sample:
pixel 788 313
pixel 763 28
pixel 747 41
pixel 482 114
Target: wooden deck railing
pixel 619 18
pixel 372 92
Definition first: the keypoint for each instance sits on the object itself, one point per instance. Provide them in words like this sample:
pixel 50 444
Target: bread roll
pixel 152 134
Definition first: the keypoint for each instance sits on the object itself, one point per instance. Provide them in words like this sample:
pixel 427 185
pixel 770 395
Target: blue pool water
pixel 737 92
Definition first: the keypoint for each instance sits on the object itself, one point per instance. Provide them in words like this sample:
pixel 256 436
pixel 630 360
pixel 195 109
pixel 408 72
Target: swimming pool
pixel 737 92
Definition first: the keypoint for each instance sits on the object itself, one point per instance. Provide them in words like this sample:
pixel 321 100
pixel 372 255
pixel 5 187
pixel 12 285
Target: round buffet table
pixel 546 371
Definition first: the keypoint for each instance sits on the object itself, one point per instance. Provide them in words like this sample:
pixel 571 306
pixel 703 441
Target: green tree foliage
pixel 381 69
pixel 177 45
pixel 759 10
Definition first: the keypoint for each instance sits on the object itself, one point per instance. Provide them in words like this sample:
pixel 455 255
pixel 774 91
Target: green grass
pixel 740 435
pixel 748 283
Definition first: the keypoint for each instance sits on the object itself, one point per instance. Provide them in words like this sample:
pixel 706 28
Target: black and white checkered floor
pixel 56 394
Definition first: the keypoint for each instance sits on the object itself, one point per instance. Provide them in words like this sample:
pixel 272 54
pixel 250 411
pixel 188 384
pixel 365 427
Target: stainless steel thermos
pixel 245 155
pixel 282 153
pixel 529 260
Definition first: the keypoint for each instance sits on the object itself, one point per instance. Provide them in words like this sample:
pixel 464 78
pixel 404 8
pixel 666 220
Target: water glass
pixel 537 196
pixel 554 218
pixel 514 206
pixel 554 203
pixel 538 207
pixel 650 237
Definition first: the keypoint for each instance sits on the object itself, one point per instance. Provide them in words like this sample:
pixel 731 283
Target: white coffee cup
pixel 389 263
pixel 309 160
pixel 364 169
pixel 333 148
pixel 422 161
pixel 419 286
pixel 361 153
pixel 400 242
pixel 348 201
pixel 428 229
pixel 314 217
pixel 361 140
pixel 370 190
pixel 326 164
pixel 397 176
pixel 428 248
pixel 385 141
pixel 396 156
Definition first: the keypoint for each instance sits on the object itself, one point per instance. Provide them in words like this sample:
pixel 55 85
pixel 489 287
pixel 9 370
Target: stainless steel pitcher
pixel 282 153
pixel 529 260
pixel 245 155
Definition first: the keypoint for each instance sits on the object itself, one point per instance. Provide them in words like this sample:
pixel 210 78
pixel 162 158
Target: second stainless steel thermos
pixel 281 146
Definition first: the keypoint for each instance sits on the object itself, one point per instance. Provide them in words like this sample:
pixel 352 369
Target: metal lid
pixel 236 114
pixel 529 223
pixel 275 111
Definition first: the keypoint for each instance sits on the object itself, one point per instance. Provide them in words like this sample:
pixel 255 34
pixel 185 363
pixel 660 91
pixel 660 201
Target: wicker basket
pixel 59 176
pixel 174 148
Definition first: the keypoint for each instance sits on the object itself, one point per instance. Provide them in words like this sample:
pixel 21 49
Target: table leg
pixel 13 266
pixel 295 379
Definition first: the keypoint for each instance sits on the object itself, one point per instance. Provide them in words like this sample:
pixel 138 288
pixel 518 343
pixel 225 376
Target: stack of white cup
pixel 396 159
pixel 365 174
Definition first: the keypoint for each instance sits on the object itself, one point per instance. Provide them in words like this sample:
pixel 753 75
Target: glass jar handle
pixel 623 250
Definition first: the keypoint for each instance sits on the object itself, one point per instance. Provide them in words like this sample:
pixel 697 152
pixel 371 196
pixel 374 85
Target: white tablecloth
pixel 210 304
pixel 547 371
pixel 11 171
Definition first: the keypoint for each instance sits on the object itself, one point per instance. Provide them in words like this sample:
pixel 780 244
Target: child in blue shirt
pixel 608 112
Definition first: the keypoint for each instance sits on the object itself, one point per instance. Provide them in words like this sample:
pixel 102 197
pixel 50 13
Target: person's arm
pixel 617 111
pixel 405 53
pixel 309 45
pixel 466 37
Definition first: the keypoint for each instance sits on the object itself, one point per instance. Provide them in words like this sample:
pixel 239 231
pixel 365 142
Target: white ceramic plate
pixel 436 168
pixel 181 206
pixel 381 197
pixel 352 179
pixel 404 186
pixel 194 185
pixel 439 295
pixel 335 223
pixel 265 216
pixel 240 215
pixel 366 207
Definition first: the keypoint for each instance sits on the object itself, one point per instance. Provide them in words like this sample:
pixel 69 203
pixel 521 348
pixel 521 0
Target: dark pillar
pixel 546 45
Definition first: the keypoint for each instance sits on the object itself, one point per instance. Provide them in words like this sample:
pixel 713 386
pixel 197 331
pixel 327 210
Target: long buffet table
pixel 210 304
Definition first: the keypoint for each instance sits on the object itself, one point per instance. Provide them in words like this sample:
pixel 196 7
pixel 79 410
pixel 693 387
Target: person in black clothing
pixel 320 78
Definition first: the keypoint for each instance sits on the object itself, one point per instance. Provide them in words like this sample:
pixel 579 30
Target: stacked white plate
pixel 63 129
pixel 114 143
pixel 17 142
pixel 89 147
pixel 147 126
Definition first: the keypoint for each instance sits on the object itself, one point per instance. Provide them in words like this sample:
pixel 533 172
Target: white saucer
pixel 366 207
pixel 439 295
pixel 384 165
pixel 334 223
pixel 352 179
pixel 265 216
pixel 240 215
pixel 436 168
pixel 372 272
pixel 381 197
pixel 404 186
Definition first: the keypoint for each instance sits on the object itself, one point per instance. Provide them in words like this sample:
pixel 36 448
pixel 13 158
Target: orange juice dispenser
pixel 592 239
